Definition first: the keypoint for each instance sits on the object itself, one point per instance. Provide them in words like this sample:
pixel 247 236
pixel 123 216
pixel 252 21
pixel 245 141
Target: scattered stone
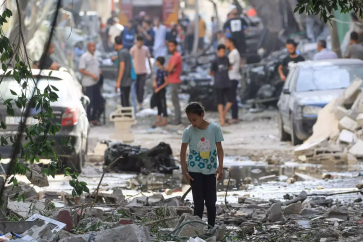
pixel 357 149
pixel 359 186
pixel 248 180
pixel 335 213
pixel 304 223
pixel 348 123
pixel 274 213
pixel 128 233
pixel 347 136
pixel 360 120
pixel 155 198
pixel 309 212
pixel 341 112
pixel 352 161
pixel 320 187
pixel 302 197
pixel 182 210
pixel 192 229
pixel 294 208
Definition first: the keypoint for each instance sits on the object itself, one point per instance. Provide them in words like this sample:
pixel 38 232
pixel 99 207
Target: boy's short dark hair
pixel 354 36
pixel 233 41
pixel 291 42
pixel 161 60
pixel 118 40
pixel 174 42
pixel 221 46
pixel 140 38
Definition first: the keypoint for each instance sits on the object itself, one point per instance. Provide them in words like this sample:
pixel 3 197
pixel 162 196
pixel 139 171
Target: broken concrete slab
pixel 40 233
pixel 294 208
pixel 170 202
pixel 360 120
pixel 351 93
pixel 357 149
pixel 35 176
pixel 128 233
pixel 347 136
pixel 22 209
pixel 348 123
pixel 309 146
pixel 274 213
pixel 341 112
pixel 18 227
pixel 337 214
pixel 352 161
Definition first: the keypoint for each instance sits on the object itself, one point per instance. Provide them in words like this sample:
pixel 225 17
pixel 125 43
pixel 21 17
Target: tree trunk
pixel 335 44
pixel 196 28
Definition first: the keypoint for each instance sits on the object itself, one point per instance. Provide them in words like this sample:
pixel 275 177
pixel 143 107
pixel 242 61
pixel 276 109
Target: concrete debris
pixel 337 135
pixel 274 213
pixel 294 208
pixel 191 229
pixel 348 123
pixel 35 176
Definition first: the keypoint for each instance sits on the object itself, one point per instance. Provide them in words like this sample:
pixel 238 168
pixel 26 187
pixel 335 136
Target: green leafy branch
pixel 38 138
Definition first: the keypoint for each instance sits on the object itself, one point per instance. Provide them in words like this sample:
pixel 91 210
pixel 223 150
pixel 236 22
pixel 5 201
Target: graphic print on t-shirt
pixel 236 25
pixel 204 148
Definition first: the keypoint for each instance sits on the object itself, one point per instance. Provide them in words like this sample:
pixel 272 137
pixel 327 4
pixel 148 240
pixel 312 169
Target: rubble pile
pixel 137 159
pixel 337 135
pixel 115 217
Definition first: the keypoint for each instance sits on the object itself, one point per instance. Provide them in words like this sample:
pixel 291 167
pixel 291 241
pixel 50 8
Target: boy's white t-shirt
pixel 235 62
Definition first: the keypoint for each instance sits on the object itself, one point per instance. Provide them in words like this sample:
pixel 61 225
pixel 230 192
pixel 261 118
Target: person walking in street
pixel 111 19
pixel 174 68
pixel 160 83
pixel 236 28
pixel 49 63
pixel 354 50
pixel 291 57
pixel 114 31
pixel 201 33
pixel 160 36
pixel 234 75
pixel 90 70
pixel 128 35
pixel 124 79
pixel 140 54
pixel 324 53
pixel 214 29
pixel 149 35
pixel 222 84
pixel 204 165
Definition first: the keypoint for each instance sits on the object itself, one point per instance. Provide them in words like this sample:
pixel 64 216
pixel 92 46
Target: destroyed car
pixel 69 111
pixel 309 87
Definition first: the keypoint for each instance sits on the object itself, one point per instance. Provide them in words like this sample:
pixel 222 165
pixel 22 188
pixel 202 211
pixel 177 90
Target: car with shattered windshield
pixel 69 111
pixel 310 86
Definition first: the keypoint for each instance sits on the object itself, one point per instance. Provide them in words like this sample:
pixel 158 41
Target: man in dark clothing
pixel 124 79
pixel 128 35
pixel 292 57
pixel 149 35
pixel 110 20
pixel 49 63
pixel 219 69
pixel 236 28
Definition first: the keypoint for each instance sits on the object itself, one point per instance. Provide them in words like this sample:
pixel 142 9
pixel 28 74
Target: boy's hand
pixel 219 173
pixel 188 177
pixel 157 90
pixel 155 85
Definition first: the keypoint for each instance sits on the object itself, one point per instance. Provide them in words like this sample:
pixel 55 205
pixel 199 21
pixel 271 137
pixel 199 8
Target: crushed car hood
pixel 320 98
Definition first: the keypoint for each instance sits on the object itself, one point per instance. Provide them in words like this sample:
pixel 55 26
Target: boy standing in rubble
pixel 219 69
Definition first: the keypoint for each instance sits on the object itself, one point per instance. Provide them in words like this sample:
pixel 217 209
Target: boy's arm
pixel 219 173
pixel 166 82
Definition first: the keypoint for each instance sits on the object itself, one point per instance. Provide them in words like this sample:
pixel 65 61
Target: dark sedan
pixel 69 111
pixel 309 87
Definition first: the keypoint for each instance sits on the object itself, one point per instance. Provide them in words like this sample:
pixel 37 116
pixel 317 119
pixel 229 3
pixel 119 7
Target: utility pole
pixel 196 28
pixel 335 44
